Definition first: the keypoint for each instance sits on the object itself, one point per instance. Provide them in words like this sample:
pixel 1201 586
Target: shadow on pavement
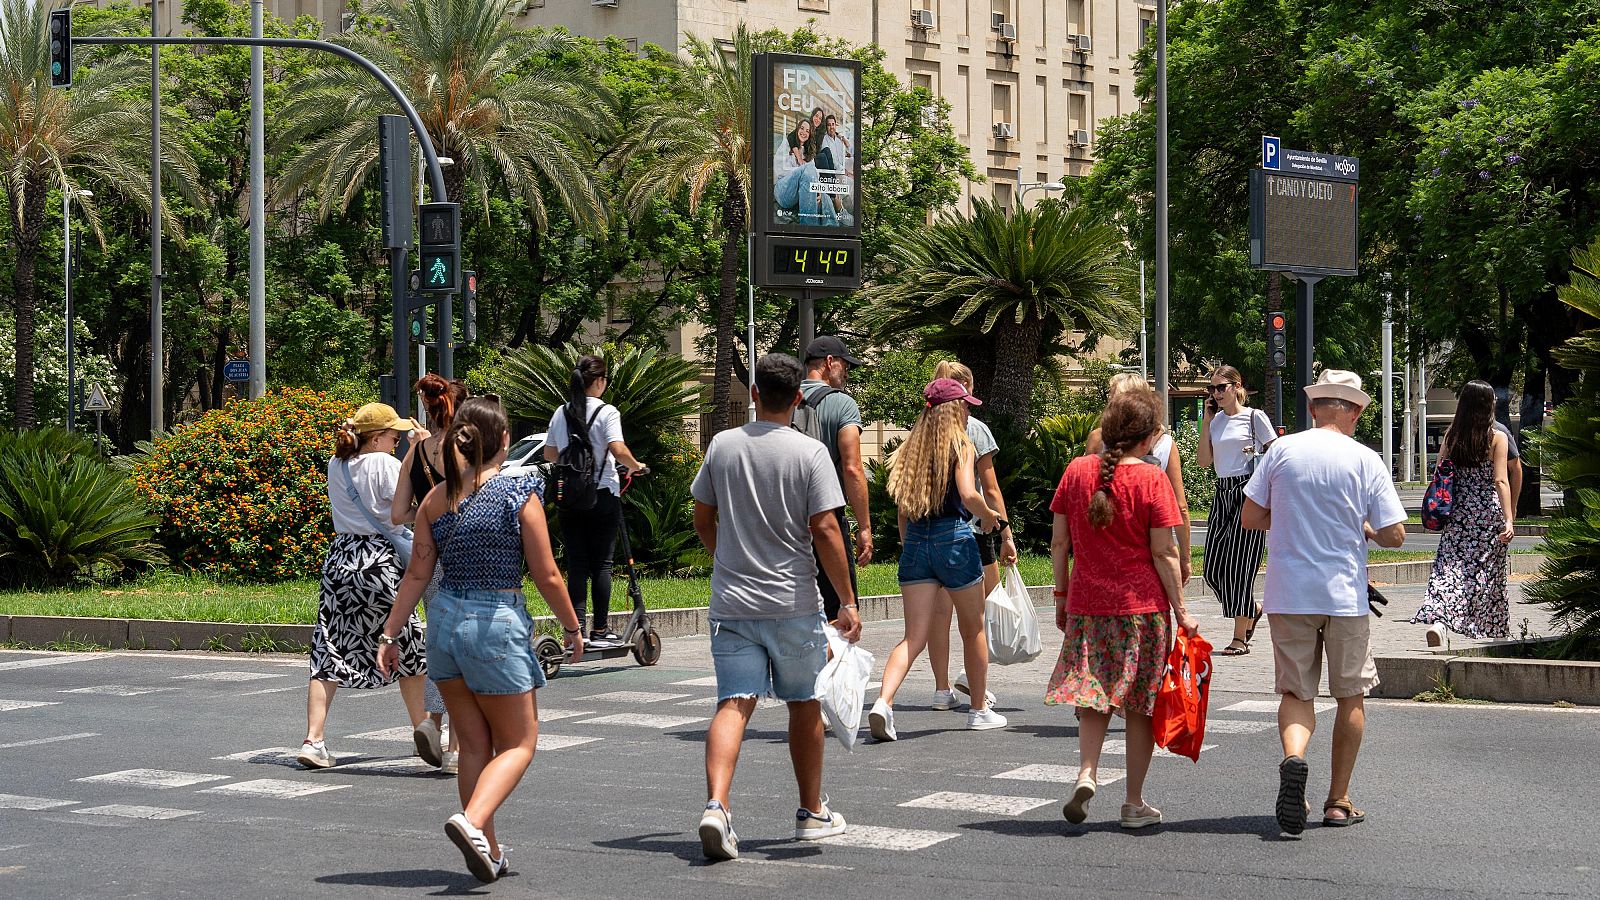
pixel 1265 827
pixel 673 843
pixel 450 884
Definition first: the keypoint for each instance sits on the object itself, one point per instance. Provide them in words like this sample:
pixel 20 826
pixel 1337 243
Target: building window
pixel 1145 28
pixel 814 5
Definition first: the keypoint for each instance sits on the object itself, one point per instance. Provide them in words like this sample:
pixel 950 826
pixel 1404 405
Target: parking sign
pixel 1271 152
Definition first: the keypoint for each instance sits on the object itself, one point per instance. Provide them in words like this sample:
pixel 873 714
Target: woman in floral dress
pixel 1117 577
pixel 1467 587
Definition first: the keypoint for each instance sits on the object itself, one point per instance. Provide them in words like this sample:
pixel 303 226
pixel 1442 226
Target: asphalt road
pixel 1464 802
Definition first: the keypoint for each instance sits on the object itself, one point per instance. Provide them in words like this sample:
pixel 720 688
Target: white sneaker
pixel 504 865
pixel 474 848
pixel 984 719
pixel 814 826
pixel 944 700
pixel 426 736
pixel 449 762
pixel 881 722
pixel 717 840
pixel 1436 635
pixel 961 685
pixel 314 755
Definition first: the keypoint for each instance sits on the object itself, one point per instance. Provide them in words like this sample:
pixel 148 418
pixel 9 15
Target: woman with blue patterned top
pixel 481 527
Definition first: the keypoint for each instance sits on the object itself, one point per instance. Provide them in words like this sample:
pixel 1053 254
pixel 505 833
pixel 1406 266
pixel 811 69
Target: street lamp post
pixel 1023 187
pixel 1163 350
pixel 422 347
pixel 66 290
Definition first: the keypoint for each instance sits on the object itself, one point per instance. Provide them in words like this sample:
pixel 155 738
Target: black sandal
pixel 1242 650
pixel 1255 620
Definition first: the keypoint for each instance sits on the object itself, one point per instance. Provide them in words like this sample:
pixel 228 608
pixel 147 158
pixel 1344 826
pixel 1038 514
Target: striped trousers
pixel 1233 555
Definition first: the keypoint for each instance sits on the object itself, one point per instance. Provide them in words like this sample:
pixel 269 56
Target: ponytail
pixel 588 370
pixel 442 398
pixel 346 442
pixel 474 439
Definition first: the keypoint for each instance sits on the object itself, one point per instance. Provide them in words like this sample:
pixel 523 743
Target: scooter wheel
pixel 647 647
pixel 550 654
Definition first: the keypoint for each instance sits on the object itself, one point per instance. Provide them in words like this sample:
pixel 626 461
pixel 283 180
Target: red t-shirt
pixel 1112 573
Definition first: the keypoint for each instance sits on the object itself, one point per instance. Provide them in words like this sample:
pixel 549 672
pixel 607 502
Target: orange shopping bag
pixel 1180 716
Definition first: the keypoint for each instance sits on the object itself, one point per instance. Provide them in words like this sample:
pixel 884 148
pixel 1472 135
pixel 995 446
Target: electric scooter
pixel 638 637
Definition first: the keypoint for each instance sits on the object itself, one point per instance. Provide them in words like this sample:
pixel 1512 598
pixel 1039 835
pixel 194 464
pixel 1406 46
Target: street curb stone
pixel 1491 678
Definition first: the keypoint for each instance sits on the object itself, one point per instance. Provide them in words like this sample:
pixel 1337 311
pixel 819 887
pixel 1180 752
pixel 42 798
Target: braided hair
pixel 1129 420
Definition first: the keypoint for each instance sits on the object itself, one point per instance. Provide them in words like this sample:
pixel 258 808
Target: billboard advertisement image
pixel 805 154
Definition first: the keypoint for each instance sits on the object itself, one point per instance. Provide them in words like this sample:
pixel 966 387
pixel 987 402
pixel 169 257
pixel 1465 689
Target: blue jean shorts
pixel 758 657
pixel 484 638
pixel 940 551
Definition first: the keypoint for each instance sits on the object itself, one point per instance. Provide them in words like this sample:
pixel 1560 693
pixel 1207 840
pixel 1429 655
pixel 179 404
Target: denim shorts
pixel 940 551
pixel 484 638
pixel 758 657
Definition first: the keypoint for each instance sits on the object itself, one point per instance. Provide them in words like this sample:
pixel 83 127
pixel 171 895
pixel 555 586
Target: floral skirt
pixel 1112 663
pixel 359 581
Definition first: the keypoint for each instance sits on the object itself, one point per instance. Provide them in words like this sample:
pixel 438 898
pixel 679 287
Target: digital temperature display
pixel 791 259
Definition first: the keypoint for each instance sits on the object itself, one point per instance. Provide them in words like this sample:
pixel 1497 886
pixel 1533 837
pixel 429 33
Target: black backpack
pixel 806 418
pixel 574 474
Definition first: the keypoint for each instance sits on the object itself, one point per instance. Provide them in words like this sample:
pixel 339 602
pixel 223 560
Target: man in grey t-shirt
pixel 764 495
pixel 828 366
pixel 1513 463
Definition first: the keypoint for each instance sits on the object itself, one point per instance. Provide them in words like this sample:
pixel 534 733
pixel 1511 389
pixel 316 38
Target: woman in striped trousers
pixel 1232 436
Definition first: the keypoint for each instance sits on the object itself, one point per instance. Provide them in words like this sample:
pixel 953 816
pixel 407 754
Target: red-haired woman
pixel 423 468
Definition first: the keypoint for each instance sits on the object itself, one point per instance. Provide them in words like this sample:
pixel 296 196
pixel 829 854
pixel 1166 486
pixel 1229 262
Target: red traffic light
pixel 472 282
pixel 1277 320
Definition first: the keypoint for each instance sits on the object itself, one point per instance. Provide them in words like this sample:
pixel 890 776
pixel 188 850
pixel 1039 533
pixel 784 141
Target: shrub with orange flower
pixel 243 493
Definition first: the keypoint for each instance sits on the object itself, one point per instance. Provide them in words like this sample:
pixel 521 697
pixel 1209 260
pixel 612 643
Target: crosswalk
pixel 936 814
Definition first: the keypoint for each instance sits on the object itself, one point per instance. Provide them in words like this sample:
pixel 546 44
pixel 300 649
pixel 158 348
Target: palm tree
pixel 699 135
pixel 49 137
pixel 1002 291
pixel 494 97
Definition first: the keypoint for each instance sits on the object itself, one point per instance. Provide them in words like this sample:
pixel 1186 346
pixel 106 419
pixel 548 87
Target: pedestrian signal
pixel 441 247
pixel 61 48
pixel 1277 341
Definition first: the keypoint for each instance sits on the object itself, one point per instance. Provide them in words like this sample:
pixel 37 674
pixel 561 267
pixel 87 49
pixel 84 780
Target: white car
pixel 526 457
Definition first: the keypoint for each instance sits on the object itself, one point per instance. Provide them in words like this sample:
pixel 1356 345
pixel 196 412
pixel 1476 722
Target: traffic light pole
pixel 399 290
pixel 1305 301
pixel 447 337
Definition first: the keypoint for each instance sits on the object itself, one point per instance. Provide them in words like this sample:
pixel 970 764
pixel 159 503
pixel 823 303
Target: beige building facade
pixel 1027 80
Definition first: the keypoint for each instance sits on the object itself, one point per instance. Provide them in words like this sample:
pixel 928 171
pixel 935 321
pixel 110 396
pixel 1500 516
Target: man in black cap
pixel 831 416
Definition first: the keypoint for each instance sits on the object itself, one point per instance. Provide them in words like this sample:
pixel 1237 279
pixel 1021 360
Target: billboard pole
pixel 1163 351
pixel 1305 297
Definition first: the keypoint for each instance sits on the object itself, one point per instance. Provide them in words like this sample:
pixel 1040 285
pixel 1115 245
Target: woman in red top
pixel 1114 515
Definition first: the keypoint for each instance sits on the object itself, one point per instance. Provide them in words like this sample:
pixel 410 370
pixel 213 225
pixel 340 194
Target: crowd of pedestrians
pixel 774 502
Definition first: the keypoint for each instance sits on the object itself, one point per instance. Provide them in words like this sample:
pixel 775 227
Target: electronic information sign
pixel 1306 225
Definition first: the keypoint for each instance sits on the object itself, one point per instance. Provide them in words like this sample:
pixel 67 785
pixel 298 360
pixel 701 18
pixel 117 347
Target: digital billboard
pixel 1305 225
pixel 807 129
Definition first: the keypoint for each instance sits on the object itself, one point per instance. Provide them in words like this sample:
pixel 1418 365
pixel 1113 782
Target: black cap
pixel 828 345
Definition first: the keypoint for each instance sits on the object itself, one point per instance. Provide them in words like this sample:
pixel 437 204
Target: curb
pixel 1490 678
pixel 1416 528
pixel 155 634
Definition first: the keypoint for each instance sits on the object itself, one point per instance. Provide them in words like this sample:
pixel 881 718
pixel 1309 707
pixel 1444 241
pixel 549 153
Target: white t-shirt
pixel 836 148
pixel 375 476
pixel 1161 453
pixel 607 427
pixel 1233 437
pixel 1321 486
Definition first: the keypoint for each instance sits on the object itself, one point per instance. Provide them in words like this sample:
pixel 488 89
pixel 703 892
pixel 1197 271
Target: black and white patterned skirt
pixel 360 579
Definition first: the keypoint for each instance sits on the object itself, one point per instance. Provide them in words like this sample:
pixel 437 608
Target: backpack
pixel 807 419
pixel 574 473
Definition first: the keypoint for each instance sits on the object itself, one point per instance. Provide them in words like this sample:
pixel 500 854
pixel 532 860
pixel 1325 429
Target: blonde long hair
pixel 949 368
pixel 923 466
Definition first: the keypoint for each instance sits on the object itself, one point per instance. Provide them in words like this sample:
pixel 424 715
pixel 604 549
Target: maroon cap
pixel 943 390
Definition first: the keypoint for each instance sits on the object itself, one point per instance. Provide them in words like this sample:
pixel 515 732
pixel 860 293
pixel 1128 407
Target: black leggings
pixel 590 537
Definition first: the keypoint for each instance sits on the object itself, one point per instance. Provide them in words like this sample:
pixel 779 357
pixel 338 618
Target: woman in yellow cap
pixel 361 576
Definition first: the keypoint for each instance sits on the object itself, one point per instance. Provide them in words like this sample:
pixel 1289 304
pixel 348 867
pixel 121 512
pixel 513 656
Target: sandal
pixel 1255 620
pixel 1292 806
pixel 1242 650
pixel 1352 816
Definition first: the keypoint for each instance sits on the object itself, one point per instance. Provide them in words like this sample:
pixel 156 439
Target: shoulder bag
pixel 399 538
pixel 1439 501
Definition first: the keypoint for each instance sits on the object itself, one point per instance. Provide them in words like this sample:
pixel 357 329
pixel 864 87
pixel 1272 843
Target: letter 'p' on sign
pixel 1271 152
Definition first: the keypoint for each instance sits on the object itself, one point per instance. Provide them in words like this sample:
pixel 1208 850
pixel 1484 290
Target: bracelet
pixel 847 606
pixel 572 630
pixel 391 640
pixel 1060 594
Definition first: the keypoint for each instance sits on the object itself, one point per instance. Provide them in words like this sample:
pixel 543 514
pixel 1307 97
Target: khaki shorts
pixel 1299 642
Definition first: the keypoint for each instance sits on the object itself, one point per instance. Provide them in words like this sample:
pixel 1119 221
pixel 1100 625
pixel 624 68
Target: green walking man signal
pixel 61 48
pixel 440 224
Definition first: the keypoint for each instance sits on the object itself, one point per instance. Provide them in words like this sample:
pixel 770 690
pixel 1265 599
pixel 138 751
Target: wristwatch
pixel 388 639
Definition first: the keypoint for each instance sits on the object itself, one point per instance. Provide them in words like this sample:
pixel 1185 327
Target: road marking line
pixel 633 697
pixel 277 788
pixel 126 811
pixel 277 756
pixel 877 837
pixel 980 803
pixel 708 681
pixel 1271 706
pixel 17 801
pixel 9 705
pixel 398 733
pixel 1231 726
pixel 645 721
pixel 563 741
pixel 1060 774
pixel 229 676
pixel 294 687
pixel 50 740
pixel 153 778
pixel 698 701
pixel 116 690
pixel 1119 747
pixel 65 660
pixel 551 714
pixel 411 766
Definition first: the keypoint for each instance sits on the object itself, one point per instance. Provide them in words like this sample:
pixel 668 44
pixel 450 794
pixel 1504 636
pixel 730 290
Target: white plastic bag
pixel 842 686
pixel 1013 628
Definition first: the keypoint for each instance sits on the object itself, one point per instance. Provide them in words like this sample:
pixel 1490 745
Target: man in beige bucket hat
pixel 1321 496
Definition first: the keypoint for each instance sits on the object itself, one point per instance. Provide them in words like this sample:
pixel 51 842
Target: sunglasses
pixel 1220 388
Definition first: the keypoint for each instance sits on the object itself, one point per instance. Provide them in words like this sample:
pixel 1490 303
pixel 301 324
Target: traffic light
pixel 417 324
pixel 469 306
pixel 441 247
pixel 61 48
pixel 1277 341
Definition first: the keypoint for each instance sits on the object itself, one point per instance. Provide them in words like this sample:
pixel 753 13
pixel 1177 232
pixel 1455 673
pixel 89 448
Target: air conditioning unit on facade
pixel 612 4
pixel 1080 137
pixel 1081 43
pixel 922 18
pixel 1002 130
pixel 1008 32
